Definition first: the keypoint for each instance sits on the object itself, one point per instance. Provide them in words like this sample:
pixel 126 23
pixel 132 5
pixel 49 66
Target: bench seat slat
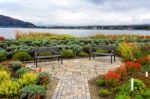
pixel 40 57
pixel 103 54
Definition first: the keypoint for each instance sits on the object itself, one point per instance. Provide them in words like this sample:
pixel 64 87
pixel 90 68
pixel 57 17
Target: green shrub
pixel 2 50
pixel 104 92
pixel 28 79
pixel 15 65
pixel 139 84
pixel 129 51
pixel 23 70
pixel 4 75
pixel 2 57
pixel 83 54
pixel 125 89
pixel 87 48
pixel 111 83
pixel 122 97
pixel 9 88
pixel 43 78
pixel 146 93
pixel 68 54
pixel 139 97
pixel 100 82
pixel 22 56
pixel 31 91
pixel 9 55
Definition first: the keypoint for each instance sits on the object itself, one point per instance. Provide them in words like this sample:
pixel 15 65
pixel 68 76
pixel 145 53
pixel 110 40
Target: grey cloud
pixel 78 12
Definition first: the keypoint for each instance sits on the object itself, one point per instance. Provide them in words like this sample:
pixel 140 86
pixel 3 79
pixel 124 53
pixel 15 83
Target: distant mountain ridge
pixel 6 21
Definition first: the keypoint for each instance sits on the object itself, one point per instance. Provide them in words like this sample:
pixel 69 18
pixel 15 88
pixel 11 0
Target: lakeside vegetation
pixel 133 49
pixel 25 43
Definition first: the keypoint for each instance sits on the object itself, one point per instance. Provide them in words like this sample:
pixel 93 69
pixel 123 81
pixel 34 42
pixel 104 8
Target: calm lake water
pixel 9 33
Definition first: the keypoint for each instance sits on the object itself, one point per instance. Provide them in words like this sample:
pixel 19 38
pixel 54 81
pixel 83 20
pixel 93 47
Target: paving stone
pixel 74 74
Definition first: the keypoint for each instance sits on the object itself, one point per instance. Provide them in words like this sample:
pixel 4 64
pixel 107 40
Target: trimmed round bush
pixel 83 54
pixel 104 92
pixel 43 78
pixel 23 70
pixel 68 54
pixel 22 56
pixel 3 57
pixel 33 92
pixel 15 65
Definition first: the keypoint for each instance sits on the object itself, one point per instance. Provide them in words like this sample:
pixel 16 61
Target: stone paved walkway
pixel 74 74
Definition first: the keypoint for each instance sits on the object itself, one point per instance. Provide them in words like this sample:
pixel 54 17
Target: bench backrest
pixel 104 47
pixel 52 50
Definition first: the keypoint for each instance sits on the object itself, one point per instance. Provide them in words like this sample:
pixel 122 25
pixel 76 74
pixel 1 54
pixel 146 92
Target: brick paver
pixel 74 74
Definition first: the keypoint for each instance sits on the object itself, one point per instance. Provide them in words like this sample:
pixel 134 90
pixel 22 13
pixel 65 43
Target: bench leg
pixel 93 56
pixel 61 60
pixel 111 59
pixel 89 56
pixel 75 55
pixel 114 58
pixel 36 60
pixel 58 59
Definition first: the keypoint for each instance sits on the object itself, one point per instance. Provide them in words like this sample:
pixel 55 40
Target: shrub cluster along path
pixel 73 75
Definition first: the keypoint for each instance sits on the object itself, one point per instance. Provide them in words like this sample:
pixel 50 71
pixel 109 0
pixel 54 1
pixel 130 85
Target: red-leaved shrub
pixel 132 67
pixel 112 76
pixel 2 38
pixel 122 71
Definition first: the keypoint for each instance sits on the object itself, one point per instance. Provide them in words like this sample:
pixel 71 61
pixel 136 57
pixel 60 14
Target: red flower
pixel 112 76
pixel 133 65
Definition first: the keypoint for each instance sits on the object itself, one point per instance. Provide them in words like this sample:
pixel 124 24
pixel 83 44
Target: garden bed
pixel 19 82
pixel 94 88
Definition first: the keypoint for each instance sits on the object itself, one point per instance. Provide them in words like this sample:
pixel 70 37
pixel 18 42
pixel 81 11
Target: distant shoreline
pixel 72 28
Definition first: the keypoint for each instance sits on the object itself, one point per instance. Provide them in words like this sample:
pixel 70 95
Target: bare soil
pixel 51 88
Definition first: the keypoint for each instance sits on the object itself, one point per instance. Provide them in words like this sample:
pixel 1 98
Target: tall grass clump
pixel 41 35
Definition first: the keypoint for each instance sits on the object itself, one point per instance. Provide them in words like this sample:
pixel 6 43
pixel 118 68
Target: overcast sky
pixel 78 12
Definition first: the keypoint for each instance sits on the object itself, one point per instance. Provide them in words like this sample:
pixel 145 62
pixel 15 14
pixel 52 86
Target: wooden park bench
pixel 50 52
pixel 104 50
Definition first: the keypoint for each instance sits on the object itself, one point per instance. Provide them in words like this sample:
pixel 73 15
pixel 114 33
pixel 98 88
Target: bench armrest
pixel 35 54
pixel 91 50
